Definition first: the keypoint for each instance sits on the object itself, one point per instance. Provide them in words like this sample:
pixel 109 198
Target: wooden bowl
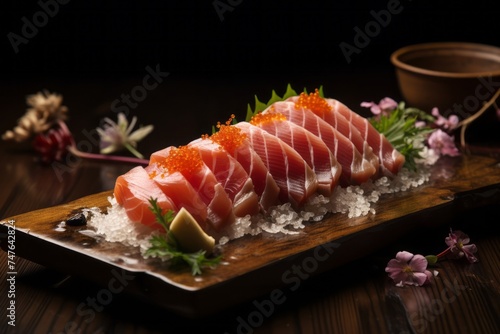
pixel 454 77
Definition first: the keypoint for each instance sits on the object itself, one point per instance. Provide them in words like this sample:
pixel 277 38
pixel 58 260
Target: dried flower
pixel 442 143
pixel 447 124
pixel 409 269
pixel 115 137
pixel 45 111
pixel 384 107
pixel 457 242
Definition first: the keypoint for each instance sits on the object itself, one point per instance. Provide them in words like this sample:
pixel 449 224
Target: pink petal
pixel 418 263
pixel 388 104
pixel 404 256
pixel 420 278
pixel 464 238
pixel 367 104
pixel 399 277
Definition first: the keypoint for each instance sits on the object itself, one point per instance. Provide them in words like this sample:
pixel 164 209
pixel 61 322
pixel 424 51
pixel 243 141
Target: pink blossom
pixel 384 107
pixel 409 269
pixel 442 143
pixel 458 243
pixel 449 123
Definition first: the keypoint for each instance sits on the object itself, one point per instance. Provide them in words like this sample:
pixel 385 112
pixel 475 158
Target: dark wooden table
pixel 357 297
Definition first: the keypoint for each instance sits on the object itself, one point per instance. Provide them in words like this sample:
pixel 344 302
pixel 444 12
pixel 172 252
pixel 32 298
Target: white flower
pixel 115 137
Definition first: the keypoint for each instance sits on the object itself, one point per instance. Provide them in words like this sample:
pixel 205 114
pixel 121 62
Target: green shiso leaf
pixel 165 246
pixel 261 106
pixel 399 127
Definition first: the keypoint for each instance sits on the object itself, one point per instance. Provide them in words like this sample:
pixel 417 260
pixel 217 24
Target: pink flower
pixel 449 123
pixel 384 107
pixel 458 243
pixel 442 143
pixel 409 269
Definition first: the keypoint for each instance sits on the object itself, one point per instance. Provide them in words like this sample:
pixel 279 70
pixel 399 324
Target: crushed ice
pixel 354 201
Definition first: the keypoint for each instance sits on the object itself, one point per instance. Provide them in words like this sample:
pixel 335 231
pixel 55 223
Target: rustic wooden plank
pixel 465 182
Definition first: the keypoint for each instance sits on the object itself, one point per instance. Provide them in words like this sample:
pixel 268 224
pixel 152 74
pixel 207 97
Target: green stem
pixel 133 151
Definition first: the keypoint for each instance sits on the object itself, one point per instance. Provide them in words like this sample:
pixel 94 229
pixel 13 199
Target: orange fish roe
pixel 229 137
pixel 183 159
pixel 267 117
pixel 313 102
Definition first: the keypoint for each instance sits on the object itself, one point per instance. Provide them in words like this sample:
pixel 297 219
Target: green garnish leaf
pixel 166 247
pixel 399 127
pixel 261 106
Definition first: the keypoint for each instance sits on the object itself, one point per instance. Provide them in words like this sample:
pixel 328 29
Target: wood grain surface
pixel 456 183
pixel 60 290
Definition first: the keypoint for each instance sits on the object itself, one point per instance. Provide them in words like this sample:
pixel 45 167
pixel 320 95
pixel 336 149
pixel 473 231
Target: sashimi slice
pixel 233 177
pixel 188 162
pixel 134 189
pixel 180 191
pixel 296 180
pixel 323 110
pixel 310 147
pixel 391 161
pixel 236 143
pixel 355 169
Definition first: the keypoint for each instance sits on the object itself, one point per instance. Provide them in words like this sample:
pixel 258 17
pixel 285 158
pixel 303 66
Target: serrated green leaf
pixel 400 130
pixel 165 246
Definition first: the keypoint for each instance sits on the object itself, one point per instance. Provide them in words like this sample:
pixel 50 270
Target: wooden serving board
pixel 259 266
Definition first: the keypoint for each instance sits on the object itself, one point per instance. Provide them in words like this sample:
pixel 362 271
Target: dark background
pixel 189 36
pixel 100 49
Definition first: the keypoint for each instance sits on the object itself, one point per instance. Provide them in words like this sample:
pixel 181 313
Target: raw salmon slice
pixel 180 191
pixel 391 161
pixel 294 177
pixel 134 189
pixel 233 177
pixel 189 163
pixel 355 169
pixel 310 147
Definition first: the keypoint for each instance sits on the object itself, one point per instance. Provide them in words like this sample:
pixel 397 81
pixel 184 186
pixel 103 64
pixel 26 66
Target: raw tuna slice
pixel 296 180
pixel 355 169
pixel 182 193
pixel 134 189
pixel 310 147
pixel 236 143
pixel 233 177
pixel 321 108
pixel 188 162
pixel 391 160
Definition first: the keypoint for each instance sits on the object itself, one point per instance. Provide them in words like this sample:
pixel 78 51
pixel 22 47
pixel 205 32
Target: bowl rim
pixel 490 49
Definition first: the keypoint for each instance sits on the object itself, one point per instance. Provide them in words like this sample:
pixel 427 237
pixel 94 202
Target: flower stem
pixel 133 151
pixel 444 253
pixel 103 157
